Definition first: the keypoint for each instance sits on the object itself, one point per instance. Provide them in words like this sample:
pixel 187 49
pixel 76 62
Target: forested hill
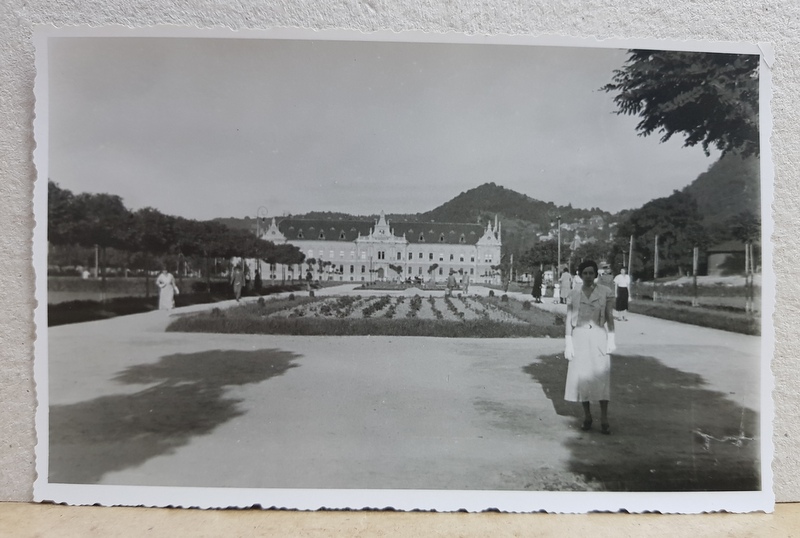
pixel 481 203
pixel 489 199
pixel 730 187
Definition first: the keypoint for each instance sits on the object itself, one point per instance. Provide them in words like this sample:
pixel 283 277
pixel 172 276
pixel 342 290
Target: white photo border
pixel 436 500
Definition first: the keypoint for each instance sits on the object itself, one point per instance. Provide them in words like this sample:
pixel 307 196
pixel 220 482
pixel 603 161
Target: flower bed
pixel 430 308
pixel 353 315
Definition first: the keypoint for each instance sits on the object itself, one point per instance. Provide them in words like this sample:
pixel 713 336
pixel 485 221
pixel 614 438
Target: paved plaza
pixel 131 404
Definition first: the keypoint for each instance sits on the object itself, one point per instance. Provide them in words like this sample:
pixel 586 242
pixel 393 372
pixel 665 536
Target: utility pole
pixel 695 259
pixel 748 277
pixel 655 272
pixel 630 269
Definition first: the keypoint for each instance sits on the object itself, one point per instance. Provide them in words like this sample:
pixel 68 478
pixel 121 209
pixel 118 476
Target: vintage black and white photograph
pixel 327 269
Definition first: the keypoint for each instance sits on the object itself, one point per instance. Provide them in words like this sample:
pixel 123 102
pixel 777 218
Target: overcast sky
pixel 206 128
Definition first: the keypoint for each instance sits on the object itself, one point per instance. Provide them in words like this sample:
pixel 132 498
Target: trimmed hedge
pixel 304 326
pixel 81 311
pixel 738 322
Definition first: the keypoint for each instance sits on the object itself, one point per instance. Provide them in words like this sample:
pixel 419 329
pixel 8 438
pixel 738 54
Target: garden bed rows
pixel 431 308
pixel 383 315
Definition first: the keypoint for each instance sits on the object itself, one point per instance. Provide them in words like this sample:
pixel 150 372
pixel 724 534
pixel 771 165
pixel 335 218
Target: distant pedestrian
pixel 167 290
pixel 536 292
pixel 565 285
pixel 605 278
pixel 589 340
pixel 466 283
pixel 237 281
pixel 257 280
pixel 622 284
pixel 451 283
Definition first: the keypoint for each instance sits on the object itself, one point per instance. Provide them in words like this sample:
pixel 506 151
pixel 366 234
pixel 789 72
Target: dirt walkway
pixel 132 404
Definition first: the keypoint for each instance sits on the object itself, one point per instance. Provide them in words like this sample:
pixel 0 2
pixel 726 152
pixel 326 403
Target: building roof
pixel 349 230
pixel 434 232
pixel 727 246
pixel 319 229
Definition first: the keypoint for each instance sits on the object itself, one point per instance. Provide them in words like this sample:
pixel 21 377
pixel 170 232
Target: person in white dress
pixel 589 340
pixel 167 289
pixel 576 280
pixel 622 283
pixel 565 281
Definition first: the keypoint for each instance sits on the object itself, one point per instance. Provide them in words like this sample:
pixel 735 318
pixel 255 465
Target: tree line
pixel 147 239
pixel 676 221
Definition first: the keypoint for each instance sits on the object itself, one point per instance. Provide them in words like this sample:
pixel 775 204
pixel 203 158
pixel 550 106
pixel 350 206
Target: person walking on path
pixel 237 281
pixel 589 340
pixel 577 281
pixel 167 290
pixel 451 283
pixel 622 283
pixel 537 285
pixel 565 286
pixel 466 283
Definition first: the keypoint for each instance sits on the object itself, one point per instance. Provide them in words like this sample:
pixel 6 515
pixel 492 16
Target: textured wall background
pixel 776 22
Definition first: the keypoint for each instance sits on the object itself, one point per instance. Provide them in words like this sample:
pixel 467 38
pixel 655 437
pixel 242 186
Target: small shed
pixel 726 259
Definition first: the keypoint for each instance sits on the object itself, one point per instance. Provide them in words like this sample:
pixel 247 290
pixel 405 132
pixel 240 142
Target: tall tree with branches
pixel 709 98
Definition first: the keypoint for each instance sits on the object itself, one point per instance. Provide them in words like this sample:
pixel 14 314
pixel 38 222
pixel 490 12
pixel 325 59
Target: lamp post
pixel 557 272
pixel 261 215
pixel 558 262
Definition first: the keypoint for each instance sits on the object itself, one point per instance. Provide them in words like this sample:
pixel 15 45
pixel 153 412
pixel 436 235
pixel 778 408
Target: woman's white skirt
pixel 166 298
pixel 589 372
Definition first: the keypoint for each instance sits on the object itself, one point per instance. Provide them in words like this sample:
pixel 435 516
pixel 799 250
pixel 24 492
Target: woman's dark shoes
pixel 587 425
pixel 605 429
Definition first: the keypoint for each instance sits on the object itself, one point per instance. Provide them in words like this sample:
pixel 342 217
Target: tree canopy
pixel 679 226
pixel 598 251
pixel 103 220
pixel 543 252
pixel 710 98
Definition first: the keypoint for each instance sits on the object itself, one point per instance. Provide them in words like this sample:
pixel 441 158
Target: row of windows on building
pixel 410 271
pixel 342 236
pixel 420 256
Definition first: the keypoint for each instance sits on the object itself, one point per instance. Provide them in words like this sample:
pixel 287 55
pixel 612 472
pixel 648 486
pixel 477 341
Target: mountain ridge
pixel 730 187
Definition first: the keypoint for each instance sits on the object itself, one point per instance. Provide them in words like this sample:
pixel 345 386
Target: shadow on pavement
pixel 111 433
pixel 668 433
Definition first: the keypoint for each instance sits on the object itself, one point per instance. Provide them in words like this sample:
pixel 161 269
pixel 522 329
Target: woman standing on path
pixel 166 290
pixel 576 280
pixel 565 284
pixel 536 292
pixel 589 340
pixel 622 283
pixel 237 281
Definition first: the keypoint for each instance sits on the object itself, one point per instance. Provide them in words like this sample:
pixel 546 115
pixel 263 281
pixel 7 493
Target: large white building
pixel 362 251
